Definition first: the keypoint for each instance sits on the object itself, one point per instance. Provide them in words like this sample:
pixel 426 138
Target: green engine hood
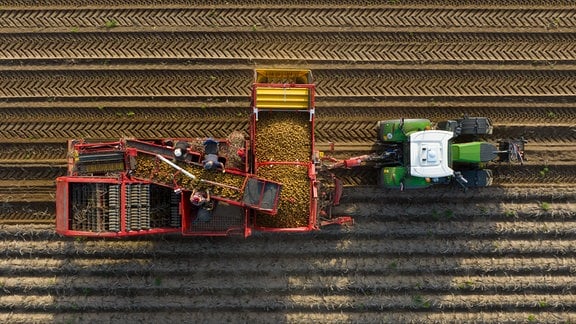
pixel 473 152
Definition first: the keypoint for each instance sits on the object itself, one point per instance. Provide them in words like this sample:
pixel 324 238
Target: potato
pixel 148 167
pixel 283 136
pixel 294 204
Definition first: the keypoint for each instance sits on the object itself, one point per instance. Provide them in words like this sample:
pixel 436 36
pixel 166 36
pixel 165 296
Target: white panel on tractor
pixel 429 154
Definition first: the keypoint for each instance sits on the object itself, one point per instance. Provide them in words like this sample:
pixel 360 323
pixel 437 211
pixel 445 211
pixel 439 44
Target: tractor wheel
pixel 478 178
pixel 475 126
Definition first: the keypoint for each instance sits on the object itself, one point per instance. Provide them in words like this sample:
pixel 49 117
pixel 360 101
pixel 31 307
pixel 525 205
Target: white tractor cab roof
pixel 429 154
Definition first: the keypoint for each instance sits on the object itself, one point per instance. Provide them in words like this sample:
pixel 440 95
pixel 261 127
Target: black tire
pixel 478 178
pixel 475 126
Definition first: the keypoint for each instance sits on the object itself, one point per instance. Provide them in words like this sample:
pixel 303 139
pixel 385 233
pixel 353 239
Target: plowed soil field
pixel 105 69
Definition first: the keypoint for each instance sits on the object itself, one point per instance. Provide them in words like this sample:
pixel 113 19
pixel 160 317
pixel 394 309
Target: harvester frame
pixel 170 164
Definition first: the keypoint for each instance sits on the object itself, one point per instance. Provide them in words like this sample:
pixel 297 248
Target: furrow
pixel 19 153
pixel 538 173
pixel 297 265
pixel 545 113
pixel 52 150
pixel 103 69
pixel 295 302
pixel 270 15
pixel 193 125
pixel 418 83
pixel 345 248
pixel 133 83
pixel 114 130
pixel 356 47
pixel 330 83
pixel 543 173
pixel 296 316
pixel 509 194
pixel 298 3
pixel 366 130
pixel 461 227
pixel 129 111
pixel 31 172
pixel 205 284
pixel 33 202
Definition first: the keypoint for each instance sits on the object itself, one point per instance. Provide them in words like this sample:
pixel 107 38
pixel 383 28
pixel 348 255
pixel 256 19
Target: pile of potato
pixel 280 137
pixel 236 141
pixel 148 167
pixel 283 136
pixel 294 205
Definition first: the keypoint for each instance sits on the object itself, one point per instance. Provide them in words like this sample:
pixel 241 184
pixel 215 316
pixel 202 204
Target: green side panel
pixel 392 177
pixel 411 182
pixel 390 130
pixel 473 152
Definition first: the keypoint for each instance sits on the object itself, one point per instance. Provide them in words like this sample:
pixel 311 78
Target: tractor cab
pixel 430 154
pixel 447 154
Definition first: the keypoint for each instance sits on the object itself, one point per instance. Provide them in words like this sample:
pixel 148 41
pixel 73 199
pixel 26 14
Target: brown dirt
pixel 184 69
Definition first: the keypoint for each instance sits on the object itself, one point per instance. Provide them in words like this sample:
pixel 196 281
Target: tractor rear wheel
pixel 478 178
pixel 475 126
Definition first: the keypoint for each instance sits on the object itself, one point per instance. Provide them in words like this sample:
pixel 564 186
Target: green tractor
pixel 414 155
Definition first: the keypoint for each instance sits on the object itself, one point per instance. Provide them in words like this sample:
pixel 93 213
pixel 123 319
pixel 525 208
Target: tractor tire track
pixel 115 83
pixel 358 131
pixel 33 202
pixel 327 111
pixel 274 15
pixel 355 47
pixel 369 246
pixel 503 175
pixel 62 4
pixel 184 68
pixel 474 274
pixel 334 124
pixel 308 317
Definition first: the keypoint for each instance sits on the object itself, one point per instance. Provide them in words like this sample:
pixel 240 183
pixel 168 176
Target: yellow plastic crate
pixel 282 98
pixel 283 76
